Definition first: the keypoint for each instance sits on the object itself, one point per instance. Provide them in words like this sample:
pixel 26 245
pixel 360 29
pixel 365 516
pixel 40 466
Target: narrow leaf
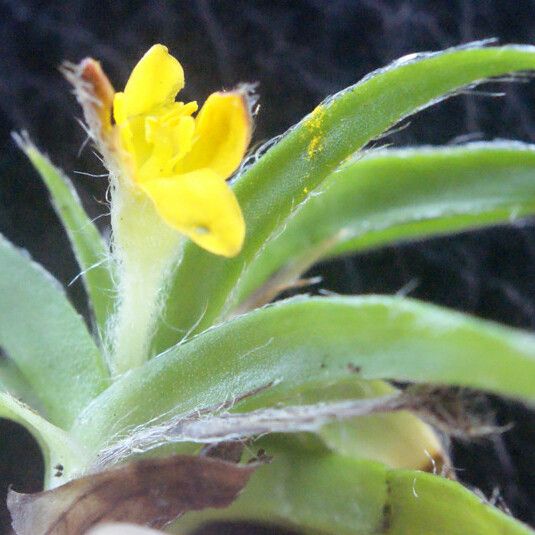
pixel 281 350
pixel 149 492
pixel 289 172
pixel 395 195
pixel 88 245
pixel 46 338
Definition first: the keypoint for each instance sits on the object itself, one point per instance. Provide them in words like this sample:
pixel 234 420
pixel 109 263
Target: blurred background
pixel 299 52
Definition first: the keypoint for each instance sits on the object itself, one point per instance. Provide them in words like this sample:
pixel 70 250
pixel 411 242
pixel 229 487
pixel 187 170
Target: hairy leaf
pixel 46 338
pixel 289 172
pixel 303 343
pixel 394 195
pixel 88 245
pixel 412 446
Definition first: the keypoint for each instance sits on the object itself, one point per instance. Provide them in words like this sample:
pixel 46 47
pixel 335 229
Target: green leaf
pixel 46 338
pixel 57 446
pixel 394 195
pixel 269 190
pixel 14 383
pixel 88 245
pixel 422 503
pixel 304 343
pixel 331 494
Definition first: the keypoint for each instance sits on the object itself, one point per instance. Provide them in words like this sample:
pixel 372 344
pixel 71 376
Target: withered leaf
pixel 150 492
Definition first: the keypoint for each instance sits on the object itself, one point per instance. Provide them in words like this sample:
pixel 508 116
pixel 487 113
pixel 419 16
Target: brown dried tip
pixel 92 73
pixel 150 492
pixel 94 93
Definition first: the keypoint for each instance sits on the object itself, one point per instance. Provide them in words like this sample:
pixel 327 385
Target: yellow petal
pixel 154 82
pixel 202 206
pixel 222 135
pixel 169 141
pixel 183 136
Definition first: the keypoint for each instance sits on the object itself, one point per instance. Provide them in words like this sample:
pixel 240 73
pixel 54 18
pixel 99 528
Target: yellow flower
pixel 179 161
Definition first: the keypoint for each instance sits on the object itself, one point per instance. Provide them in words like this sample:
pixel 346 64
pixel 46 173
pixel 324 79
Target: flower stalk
pixel 145 250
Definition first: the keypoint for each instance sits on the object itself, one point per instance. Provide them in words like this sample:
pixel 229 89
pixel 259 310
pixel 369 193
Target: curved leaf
pixel 302 343
pixel 329 493
pixel 269 190
pixel 46 338
pixel 394 195
pixel 88 245
pixel 57 446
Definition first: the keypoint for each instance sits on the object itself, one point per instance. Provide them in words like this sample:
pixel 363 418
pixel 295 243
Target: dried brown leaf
pixel 150 492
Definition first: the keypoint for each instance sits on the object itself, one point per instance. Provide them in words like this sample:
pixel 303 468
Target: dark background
pixel 299 51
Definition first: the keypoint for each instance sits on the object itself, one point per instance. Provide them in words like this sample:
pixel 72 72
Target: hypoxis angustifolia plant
pixel 182 351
